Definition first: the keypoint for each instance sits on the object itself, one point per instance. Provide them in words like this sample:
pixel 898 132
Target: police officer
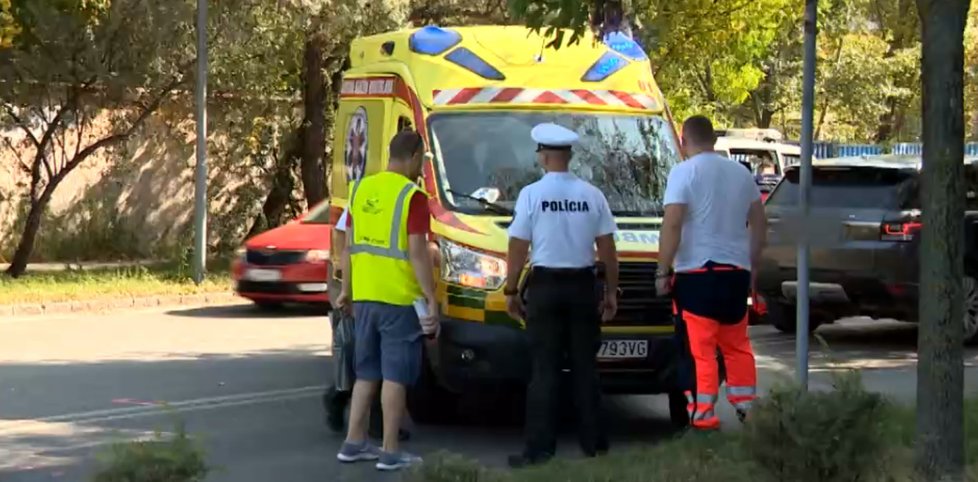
pixel 562 217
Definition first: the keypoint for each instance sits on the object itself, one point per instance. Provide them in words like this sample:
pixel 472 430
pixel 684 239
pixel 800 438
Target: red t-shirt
pixel 419 217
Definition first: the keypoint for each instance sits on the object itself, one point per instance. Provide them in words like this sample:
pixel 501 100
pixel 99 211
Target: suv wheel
pixel 784 317
pixel 970 310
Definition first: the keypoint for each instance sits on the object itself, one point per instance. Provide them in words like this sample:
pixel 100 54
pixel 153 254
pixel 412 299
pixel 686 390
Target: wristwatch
pixel 510 292
pixel 664 274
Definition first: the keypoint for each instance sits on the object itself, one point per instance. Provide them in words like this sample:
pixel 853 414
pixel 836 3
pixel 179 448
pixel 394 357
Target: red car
pixel 286 264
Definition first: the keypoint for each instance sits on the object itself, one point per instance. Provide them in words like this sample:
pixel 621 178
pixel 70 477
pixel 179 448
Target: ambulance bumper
pixel 469 355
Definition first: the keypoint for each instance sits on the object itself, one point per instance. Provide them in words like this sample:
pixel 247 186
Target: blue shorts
pixel 388 342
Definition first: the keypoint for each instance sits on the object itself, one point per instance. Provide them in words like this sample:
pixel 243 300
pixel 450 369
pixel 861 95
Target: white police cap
pixel 553 136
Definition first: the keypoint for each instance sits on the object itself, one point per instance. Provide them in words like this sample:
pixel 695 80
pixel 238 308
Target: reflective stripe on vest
pixel 395 238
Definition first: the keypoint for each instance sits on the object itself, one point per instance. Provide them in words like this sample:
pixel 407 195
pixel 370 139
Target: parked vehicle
pixel 474 93
pixel 286 264
pixel 763 151
pixel 864 233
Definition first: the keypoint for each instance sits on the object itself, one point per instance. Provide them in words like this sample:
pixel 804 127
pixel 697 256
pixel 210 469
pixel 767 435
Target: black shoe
pixel 335 404
pixel 527 460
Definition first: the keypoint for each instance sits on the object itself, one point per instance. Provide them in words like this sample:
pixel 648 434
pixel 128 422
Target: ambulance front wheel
pixel 677 410
pixel 429 403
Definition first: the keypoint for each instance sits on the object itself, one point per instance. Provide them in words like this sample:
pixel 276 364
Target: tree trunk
pixel 314 123
pixel 22 255
pixel 974 125
pixel 939 451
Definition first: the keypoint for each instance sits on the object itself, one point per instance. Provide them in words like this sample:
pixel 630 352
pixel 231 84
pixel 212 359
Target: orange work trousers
pixel 711 314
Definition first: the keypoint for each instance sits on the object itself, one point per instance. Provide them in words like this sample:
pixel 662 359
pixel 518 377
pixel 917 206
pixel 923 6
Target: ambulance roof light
pixel 432 40
pixel 468 59
pixel 624 45
pixel 608 64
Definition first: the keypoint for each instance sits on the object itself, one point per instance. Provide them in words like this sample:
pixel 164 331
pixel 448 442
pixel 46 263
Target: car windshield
pixel 318 215
pixel 627 157
pixel 849 187
pixel 760 161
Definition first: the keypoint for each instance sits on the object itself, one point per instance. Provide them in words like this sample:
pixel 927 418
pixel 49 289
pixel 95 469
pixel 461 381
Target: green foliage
pixel 176 459
pixel 843 435
pixel 840 435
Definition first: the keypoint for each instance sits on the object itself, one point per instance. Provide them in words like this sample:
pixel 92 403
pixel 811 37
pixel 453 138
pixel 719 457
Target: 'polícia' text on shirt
pixel 565 205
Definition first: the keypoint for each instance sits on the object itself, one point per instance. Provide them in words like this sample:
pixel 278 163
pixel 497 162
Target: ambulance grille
pixel 638 304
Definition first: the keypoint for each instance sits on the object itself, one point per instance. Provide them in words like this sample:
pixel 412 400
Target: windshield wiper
pixel 485 204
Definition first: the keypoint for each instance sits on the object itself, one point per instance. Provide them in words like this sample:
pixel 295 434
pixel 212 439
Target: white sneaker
pixel 397 461
pixel 351 452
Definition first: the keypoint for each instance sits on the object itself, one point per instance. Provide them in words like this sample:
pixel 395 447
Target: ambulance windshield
pixel 627 157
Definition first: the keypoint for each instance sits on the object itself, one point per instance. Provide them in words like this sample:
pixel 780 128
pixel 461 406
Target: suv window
pixel 850 187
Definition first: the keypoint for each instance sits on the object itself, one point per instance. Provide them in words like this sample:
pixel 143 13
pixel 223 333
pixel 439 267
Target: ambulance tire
pixel 784 318
pixel 677 410
pixel 428 403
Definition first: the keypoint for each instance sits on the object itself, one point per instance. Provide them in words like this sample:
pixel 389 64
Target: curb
pixel 113 304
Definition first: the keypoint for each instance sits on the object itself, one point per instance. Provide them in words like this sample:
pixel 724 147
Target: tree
pixel 9 28
pixel 940 371
pixel 74 65
pixel 971 69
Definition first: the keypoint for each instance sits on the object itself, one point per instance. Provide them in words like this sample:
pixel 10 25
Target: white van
pixel 763 151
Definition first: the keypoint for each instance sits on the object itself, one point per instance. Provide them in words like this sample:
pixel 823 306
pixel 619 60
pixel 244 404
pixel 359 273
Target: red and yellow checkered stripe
pixel 518 95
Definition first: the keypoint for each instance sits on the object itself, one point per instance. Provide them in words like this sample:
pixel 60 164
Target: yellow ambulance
pixel 474 94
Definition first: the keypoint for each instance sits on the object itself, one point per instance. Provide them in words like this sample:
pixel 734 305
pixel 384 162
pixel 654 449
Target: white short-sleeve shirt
pixel 561 215
pixel 341 223
pixel 717 193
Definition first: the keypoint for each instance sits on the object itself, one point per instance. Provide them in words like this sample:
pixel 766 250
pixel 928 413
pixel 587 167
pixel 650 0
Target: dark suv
pixel 864 233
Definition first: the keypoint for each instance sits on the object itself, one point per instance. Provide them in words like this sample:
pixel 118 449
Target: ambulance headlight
pixel 466 267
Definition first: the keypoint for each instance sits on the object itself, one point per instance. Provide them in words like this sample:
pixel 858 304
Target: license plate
pixel 623 349
pixel 263 275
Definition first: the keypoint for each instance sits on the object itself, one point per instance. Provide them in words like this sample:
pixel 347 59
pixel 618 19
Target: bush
pixel 177 459
pixel 841 435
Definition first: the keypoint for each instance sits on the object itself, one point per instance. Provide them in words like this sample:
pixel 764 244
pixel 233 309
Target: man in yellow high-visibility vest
pixel 390 269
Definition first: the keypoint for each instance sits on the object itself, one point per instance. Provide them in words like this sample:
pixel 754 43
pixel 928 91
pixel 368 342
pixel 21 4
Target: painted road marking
pixel 122 413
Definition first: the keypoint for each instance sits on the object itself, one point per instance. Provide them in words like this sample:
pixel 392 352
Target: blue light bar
pixel 624 45
pixel 608 64
pixel 433 40
pixel 468 59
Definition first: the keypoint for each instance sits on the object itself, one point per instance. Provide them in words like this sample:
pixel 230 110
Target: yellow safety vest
pixel 378 239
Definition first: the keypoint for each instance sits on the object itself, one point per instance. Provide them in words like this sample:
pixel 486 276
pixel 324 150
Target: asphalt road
pixel 247 384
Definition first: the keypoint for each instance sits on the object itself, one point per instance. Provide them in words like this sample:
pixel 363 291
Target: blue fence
pixel 826 150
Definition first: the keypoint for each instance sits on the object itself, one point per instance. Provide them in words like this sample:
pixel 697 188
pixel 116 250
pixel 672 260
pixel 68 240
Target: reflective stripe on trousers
pixel 702 410
pixel 704 336
pixel 393 250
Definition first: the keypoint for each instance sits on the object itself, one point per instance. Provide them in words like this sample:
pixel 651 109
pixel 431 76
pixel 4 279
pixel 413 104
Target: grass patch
pixel 847 435
pixel 74 285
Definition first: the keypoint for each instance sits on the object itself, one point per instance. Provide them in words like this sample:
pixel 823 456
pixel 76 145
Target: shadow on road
pixel 251 311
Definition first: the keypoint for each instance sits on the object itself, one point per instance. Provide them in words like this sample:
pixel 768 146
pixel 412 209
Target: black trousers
pixel 563 323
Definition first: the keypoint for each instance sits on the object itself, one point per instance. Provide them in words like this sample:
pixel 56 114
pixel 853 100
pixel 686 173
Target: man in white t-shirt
pixel 712 235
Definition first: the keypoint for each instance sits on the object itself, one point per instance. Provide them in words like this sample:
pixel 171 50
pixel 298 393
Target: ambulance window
pixel 404 123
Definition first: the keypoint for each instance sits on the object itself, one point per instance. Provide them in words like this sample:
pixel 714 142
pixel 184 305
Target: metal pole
pixel 200 170
pixel 805 182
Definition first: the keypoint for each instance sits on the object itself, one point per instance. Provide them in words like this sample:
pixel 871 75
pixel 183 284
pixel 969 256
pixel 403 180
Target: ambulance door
pixel 402 118
pixel 362 135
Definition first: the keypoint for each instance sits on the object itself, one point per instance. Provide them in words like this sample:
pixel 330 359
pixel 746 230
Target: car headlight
pixel 317 255
pixel 466 267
